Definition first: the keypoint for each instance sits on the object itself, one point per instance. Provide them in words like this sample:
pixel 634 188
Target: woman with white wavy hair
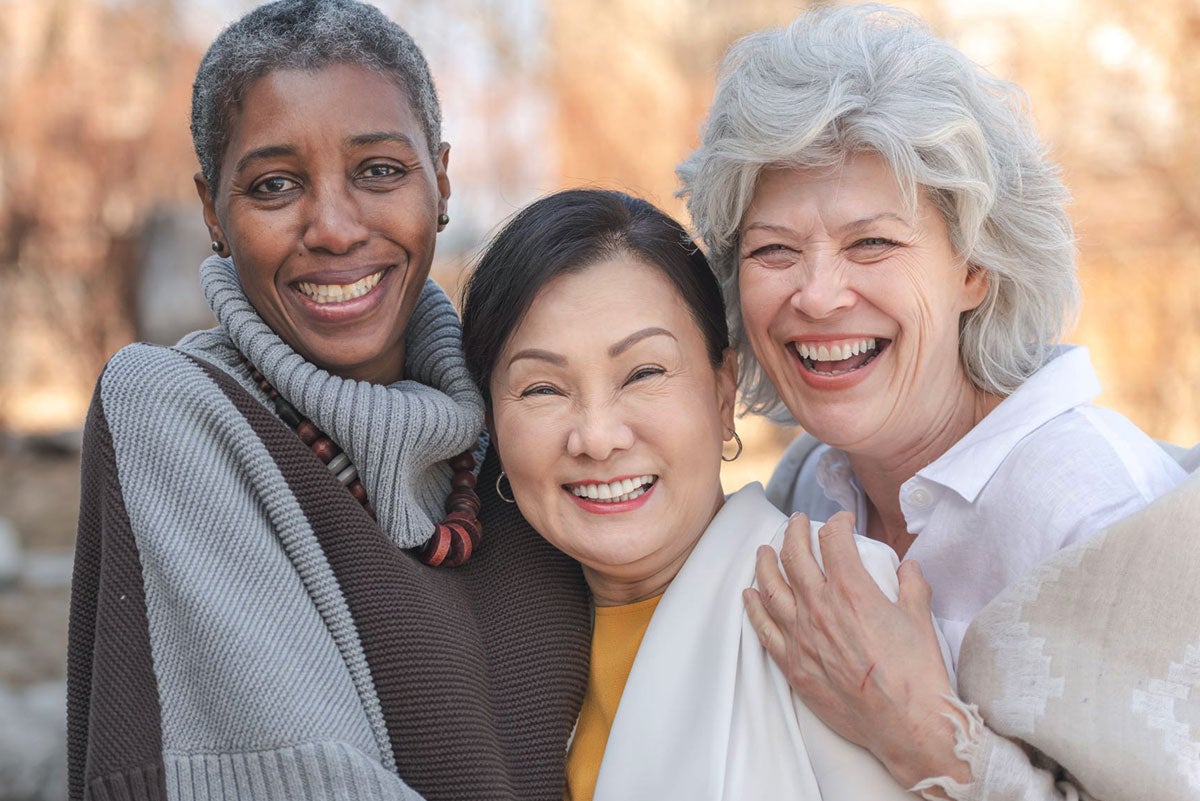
pixel 892 242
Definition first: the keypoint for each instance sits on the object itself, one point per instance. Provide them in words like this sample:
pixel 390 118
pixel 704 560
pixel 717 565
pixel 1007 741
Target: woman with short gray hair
pixel 899 267
pixel 286 586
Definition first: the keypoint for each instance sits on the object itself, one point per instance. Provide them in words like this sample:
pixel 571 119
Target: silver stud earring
pixel 443 219
pixel 216 246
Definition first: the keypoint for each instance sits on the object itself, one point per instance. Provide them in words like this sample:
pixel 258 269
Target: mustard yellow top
pixel 616 635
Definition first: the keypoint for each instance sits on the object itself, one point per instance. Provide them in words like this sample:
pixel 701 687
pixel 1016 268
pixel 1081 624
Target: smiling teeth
pixel 338 293
pixel 616 492
pixel 835 353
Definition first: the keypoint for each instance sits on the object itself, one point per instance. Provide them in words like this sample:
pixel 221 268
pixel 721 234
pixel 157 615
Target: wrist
pixel 927 747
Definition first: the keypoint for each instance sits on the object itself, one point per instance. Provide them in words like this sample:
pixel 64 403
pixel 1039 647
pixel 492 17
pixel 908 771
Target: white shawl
pixel 706 714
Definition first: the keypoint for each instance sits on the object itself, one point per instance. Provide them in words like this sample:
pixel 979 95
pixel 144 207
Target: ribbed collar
pixel 399 436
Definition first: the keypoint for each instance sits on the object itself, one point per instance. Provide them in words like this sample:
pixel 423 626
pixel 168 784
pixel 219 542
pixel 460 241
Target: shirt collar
pixel 1063 383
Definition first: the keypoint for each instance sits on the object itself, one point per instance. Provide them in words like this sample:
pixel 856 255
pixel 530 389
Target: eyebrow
pixel 865 221
pixel 380 137
pixel 615 350
pixel 540 355
pixel 373 138
pixel 268 152
pixel 850 226
pixel 636 337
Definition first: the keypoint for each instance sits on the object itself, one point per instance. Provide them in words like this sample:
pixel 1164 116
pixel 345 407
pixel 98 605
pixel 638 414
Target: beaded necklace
pixel 453 539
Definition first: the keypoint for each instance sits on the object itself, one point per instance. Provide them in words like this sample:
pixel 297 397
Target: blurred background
pixel 101 234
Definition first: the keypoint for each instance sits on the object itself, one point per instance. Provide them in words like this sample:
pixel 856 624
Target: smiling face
pixel 609 418
pixel 852 304
pixel 328 201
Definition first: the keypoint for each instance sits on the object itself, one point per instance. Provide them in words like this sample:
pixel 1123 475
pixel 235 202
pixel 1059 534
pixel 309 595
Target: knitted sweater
pixel 241 628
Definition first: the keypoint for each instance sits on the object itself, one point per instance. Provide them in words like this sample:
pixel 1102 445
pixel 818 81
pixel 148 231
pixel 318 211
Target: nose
pixel 335 221
pixel 598 432
pixel 822 286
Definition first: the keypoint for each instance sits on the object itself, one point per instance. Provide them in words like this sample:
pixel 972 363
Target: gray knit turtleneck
pixel 399 436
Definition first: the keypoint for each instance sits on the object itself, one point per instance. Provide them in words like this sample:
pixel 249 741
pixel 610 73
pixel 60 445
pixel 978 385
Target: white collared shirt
pixel 1042 470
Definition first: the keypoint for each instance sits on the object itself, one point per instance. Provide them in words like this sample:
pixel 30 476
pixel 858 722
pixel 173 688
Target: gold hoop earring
pixel 733 458
pixel 500 492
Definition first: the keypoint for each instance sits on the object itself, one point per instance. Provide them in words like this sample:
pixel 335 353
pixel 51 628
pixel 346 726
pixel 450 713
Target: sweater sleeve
pixel 114 732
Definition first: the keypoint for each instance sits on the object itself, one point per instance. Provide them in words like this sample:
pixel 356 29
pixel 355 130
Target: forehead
pixel 863 182
pixel 603 302
pixel 337 101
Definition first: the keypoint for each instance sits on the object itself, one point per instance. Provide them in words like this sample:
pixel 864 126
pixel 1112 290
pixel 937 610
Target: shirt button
pixel 920 498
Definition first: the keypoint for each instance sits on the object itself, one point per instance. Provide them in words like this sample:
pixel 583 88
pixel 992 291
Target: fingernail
pixel 796 515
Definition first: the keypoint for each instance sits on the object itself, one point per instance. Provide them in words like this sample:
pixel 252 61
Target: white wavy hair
pixel 872 78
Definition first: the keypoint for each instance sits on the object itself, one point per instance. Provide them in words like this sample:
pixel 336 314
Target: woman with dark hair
pixel 285 584
pixel 597 334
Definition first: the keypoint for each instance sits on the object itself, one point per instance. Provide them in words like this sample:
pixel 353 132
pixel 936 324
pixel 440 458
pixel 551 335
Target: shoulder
pixel 801 456
pixel 150 396
pixel 1090 445
pixel 1082 470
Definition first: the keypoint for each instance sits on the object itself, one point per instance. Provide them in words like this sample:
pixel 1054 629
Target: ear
pixel 727 390
pixel 208 201
pixel 975 287
pixel 441 168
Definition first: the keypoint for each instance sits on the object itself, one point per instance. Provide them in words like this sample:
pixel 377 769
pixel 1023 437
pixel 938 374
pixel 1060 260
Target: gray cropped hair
pixel 872 78
pixel 303 34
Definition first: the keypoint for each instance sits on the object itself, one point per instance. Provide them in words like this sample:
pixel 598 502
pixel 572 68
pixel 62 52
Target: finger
pixel 839 552
pixel 768 633
pixel 916 595
pixel 797 558
pixel 773 588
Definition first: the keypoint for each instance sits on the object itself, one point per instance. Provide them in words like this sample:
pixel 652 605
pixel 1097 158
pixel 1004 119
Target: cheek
pixel 525 451
pixel 759 303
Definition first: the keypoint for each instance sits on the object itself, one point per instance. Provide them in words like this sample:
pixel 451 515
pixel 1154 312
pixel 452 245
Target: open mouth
pixel 621 491
pixel 339 293
pixel 838 358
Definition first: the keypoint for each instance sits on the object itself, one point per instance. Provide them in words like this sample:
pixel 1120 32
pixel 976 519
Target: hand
pixel 869 668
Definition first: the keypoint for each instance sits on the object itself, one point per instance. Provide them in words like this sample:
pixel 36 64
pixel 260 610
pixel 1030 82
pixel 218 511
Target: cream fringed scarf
pixel 398 436
pixel 1093 659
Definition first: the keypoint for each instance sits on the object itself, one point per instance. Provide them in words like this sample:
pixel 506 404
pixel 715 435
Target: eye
pixel 540 390
pixel 644 372
pixel 381 169
pixel 874 242
pixel 773 255
pixel 275 185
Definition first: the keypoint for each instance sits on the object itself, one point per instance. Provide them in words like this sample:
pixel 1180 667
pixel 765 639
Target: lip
pixel 595 507
pixel 843 380
pixel 344 310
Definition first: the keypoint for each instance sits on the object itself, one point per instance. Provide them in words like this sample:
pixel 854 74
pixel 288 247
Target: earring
pixel 216 246
pixel 733 458
pixel 443 219
pixel 499 492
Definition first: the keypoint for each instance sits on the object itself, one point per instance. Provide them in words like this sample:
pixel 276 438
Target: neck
pixel 608 590
pixel 882 471
pixel 646 577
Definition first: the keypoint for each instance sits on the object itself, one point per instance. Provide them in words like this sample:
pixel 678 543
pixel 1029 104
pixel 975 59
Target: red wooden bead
pixel 308 431
pixel 438 547
pixel 325 449
pixel 463 480
pixel 463 496
pixel 358 491
pixel 464 461
pixel 460 545
pixel 469 522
